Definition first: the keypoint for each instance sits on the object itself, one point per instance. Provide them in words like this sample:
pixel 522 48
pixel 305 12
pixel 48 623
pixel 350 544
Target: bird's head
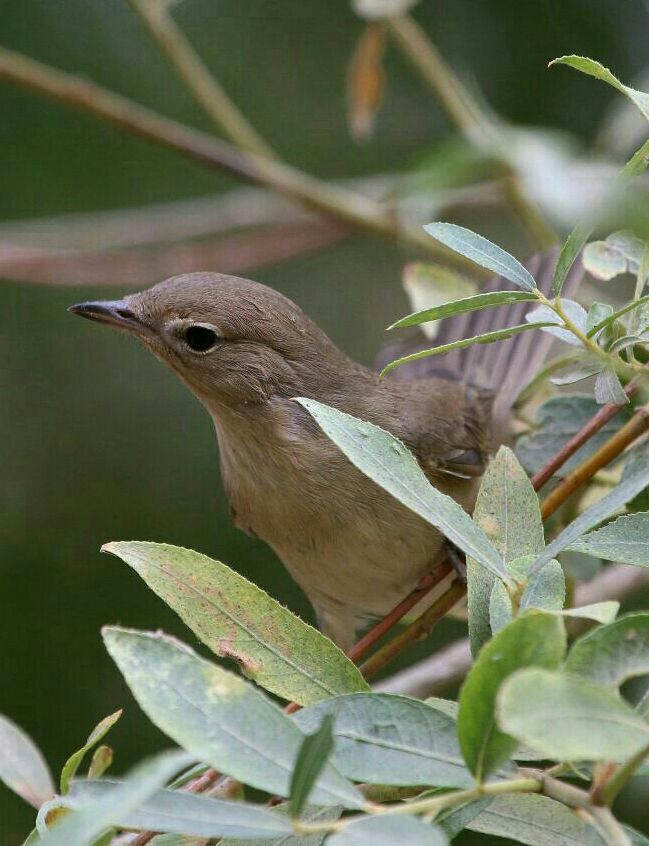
pixel 231 340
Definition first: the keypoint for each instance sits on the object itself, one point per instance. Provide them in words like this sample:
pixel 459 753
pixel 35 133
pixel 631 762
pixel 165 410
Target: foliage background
pixel 97 441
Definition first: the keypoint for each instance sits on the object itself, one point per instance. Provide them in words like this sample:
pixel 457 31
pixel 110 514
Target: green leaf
pixel 584 723
pixel 428 285
pixel 386 830
pixel 221 718
pixel 237 620
pixel 22 766
pixel 625 540
pixel 607 321
pixel 482 252
pixel 610 655
pixel 545 591
pixel 179 812
pixel 392 466
pixel 568 255
pixel 486 338
pixel 454 820
pixel 33 838
pixel 596 313
pixel 638 162
pixel 532 819
pixel 380 738
pixel 557 421
pixel 507 509
pixel 474 303
pixel 608 388
pixel 85 825
pixel 549 321
pixel 310 815
pixel 594 68
pixel 533 639
pixel 601 612
pixel 311 759
pixel 634 480
pixel 98 733
pixel 101 761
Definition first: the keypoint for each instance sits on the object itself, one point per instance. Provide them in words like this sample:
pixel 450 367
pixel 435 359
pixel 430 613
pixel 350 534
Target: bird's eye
pixel 200 338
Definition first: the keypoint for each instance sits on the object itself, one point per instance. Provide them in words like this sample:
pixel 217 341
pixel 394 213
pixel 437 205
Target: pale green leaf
pixel 596 313
pixel 601 612
pixel 482 252
pixel 454 820
pixel 179 812
pixel 381 738
pixel 22 766
pixel 474 303
pixel 533 639
pixel 100 762
pixel 532 819
pixel 391 465
pixel 548 320
pixel 98 733
pixel 584 723
pixel 594 68
pixel 216 715
pixel 610 655
pixel 545 591
pixel 310 815
pixel 608 388
pixel 507 509
pixel 386 830
pixel 311 759
pixel 238 620
pixel 428 285
pixel 625 540
pixel 568 255
pixel 607 321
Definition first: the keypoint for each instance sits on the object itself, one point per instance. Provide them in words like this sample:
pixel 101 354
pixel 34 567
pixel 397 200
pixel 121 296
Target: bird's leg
pixel 456 559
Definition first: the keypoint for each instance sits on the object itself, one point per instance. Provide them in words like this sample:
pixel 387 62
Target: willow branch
pixel 202 84
pixel 464 111
pixel 361 212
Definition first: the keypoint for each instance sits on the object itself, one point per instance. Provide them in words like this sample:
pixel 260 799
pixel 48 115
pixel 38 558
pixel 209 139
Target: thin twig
pixel 359 211
pixel 202 84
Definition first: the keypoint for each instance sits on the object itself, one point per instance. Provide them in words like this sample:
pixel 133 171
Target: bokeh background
pixel 97 441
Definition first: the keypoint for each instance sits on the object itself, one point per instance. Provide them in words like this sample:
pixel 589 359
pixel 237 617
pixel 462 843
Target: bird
pixel 247 352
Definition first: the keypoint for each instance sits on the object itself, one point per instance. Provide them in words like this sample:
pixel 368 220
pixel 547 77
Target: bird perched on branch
pixel 246 351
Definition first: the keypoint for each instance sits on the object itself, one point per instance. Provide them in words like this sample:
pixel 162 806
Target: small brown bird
pixel 246 351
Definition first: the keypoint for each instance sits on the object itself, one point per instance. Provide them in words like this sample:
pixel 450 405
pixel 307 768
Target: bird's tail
pixel 504 367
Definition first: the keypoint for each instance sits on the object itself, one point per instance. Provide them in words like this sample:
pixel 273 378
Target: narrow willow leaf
pixel 610 655
pixel 386 830
pixel 634 480
pixel 454 820
pixel 575 371
pixel 474 303
pixel 602 612
pixel 545 591
pixel 238 620
pixel 549 321
pixel 507 509
pixel 557 420
pixel 380 738
pixel 533 639
pixel 568 255
pixel 532 819
pixel 482 252
pixel 638 162
pixel 391 465
pixel 487 338
pixel 83 826
pixel 218 716
pixel 585 723
pixel 311 759
pixel 594 68
pixel 310 815
pixel 607 321
pixel 101 761
pixel 625 540
pixel 596 313
pixel 22 766
pixel 98 733
pixel 608 388
pixel 179 812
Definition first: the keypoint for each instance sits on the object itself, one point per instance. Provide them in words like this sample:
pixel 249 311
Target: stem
pixel 467 114
pixel 636 426
pixel 88 97
pixel 621 776
pixel 205 89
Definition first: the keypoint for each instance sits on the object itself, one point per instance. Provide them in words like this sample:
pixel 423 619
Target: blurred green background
pixel 99 442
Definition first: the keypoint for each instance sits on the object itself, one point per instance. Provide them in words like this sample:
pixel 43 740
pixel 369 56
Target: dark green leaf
pixel 392 466
pixel 237 620
pixel 98 733
pixel 22 766
pixel 482 252
pixel 610 655
pixel 568 255
pixel 311 759
pixel 533 639
pixel 380 738
pixel 584 723
pixel 487 338
pixel 387 830
pixel 474 303
pixel 218 716
pixel 625 540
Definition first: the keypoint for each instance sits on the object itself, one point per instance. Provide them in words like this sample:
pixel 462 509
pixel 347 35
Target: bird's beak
pixel 115 313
